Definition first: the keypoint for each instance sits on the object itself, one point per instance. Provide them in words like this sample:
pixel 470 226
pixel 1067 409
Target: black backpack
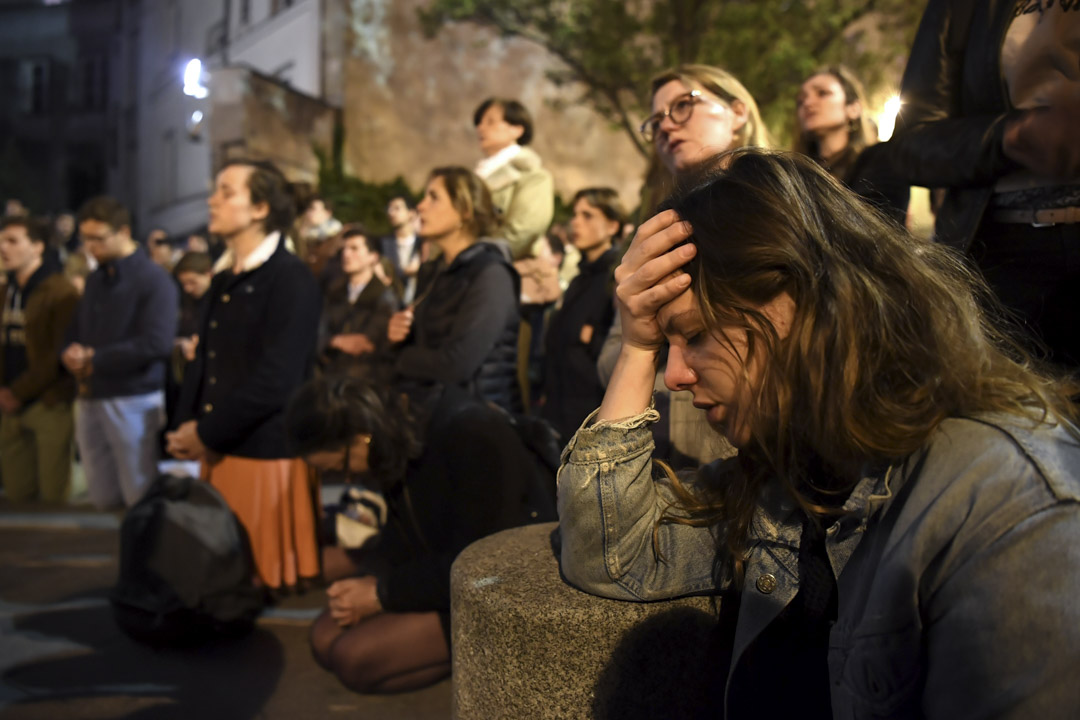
pixel 186 568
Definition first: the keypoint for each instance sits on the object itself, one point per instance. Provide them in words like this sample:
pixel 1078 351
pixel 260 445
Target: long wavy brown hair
pixel 890 335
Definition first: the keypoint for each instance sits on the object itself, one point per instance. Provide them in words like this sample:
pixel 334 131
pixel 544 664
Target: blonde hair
pixel 725 86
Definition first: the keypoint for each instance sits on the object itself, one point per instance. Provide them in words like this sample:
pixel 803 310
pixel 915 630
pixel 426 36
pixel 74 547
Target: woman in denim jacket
pixel 899 535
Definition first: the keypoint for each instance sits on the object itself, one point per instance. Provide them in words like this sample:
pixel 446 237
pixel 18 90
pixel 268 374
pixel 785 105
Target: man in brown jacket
pixel 36 428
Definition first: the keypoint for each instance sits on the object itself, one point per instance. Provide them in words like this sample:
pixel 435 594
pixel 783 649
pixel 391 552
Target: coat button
pixel 766 583
pixel 208 407
pixel 225 298
pixel 213 381
pixel 211 354
pixel 213 324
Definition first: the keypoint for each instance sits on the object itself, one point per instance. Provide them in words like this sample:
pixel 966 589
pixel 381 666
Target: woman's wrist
pixel 629 392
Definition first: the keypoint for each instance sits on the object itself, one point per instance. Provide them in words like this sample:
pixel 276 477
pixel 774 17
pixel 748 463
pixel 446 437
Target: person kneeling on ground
pixel 387 626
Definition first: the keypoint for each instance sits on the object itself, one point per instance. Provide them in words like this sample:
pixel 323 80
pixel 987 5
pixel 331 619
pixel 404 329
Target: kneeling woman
pixel 903 472
pixel 387 628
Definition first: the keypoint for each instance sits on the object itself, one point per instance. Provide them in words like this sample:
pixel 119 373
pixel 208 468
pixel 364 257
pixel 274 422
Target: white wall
pixel 175 170
pixel 286 45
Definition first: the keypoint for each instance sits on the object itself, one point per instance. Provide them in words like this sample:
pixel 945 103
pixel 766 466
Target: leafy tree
pixel 613 47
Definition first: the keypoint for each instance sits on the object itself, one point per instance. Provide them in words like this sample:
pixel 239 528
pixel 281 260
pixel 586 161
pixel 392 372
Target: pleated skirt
pixel 274 501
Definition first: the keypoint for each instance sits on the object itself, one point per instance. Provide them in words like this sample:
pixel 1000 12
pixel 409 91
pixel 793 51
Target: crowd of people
pixel 864 442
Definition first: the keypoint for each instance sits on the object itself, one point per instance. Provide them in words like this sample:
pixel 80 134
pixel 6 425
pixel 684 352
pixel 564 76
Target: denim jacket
pixel 958 569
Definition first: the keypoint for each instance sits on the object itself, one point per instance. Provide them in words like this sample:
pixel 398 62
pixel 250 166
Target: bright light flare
pixel 193 77
pixel 887 119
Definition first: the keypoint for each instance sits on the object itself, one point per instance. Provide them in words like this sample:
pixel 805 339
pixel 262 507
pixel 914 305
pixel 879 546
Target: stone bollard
pixel 528 645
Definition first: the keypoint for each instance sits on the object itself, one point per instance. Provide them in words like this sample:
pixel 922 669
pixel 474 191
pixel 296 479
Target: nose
pixel 677 374
pixel 666 125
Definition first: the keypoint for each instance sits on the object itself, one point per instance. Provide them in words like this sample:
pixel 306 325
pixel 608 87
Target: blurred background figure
pixel 197 243
pixel 161 249
pixel 256 346
pixel 36 425
pixel 194 272
pixel 462 329
pixel 521 189
pixel 117 349
pixel 834 128
pixel 356 312
pixel 319 239
pixel 402 247
pixel 577 330
pixel 991 111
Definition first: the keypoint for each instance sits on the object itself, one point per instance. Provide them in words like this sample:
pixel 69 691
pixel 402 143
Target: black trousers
pixel 1035 272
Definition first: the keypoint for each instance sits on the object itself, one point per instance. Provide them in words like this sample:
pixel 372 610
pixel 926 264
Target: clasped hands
pixel 353 599
pixel 78 359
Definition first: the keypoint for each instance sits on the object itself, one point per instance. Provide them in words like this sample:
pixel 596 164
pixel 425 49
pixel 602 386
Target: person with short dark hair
pixel 118 348
pixel 458 476
pixel 352 332
pixel 521 188
pixel 402 247
pixel 36 425
pixel 256 346
pixel 577 330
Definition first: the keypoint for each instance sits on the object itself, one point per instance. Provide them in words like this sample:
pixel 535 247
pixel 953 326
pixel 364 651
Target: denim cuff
pixel 608 439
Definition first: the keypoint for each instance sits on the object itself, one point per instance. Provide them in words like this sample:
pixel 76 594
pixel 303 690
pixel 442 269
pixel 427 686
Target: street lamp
pixel 193 79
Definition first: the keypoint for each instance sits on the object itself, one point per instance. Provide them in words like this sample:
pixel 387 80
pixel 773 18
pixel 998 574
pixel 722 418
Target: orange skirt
pixel 273 500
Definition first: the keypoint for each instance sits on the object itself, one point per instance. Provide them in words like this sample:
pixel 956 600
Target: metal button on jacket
pixel 209 407
pixel 213 324
pixel 225 298
pixel 766 583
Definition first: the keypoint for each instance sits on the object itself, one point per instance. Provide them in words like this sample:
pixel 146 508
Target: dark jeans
pixel 1035 272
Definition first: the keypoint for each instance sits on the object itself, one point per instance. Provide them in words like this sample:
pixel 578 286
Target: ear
pixel 517 131
pixel 260 211
pixel 741 114
pixel 781 313
pixel 124 231
pixel 853 110
pixel 613 228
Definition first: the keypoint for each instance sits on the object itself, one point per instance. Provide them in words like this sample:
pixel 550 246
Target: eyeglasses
pixel 680 110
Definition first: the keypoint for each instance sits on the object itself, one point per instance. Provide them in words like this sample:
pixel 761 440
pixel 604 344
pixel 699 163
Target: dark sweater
pixel 572 386
pixel 128 316
pixel 257 345
pixel 471 480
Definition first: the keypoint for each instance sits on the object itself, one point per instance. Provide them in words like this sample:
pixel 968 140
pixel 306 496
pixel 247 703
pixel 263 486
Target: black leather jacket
pixel 955 108
pixel 465 328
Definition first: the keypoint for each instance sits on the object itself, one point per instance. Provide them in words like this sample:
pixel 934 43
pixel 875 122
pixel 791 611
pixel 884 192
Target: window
pixel 93 82
pixel 33 86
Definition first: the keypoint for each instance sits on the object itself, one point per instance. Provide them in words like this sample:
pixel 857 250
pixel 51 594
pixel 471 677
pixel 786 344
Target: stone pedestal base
pixel 528 645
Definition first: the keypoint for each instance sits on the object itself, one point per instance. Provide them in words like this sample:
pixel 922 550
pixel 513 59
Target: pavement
pixel 63 658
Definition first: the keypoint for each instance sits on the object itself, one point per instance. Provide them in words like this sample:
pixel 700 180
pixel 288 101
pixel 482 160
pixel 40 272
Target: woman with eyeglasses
pixel 698 111
pixel 387 625
pixel 833 127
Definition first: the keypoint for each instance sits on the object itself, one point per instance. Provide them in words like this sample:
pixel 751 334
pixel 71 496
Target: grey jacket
pixel 958 569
